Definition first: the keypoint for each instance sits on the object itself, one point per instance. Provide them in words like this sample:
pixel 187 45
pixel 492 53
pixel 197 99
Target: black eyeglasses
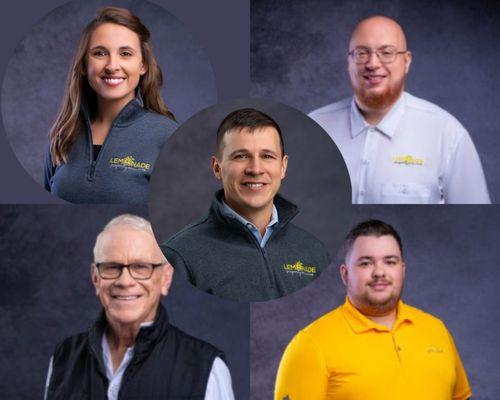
pixel 386 54
pixel 139 271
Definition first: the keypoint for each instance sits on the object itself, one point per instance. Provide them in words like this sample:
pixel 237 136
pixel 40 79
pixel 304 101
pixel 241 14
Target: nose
pixel 378 270
pixel 125 279
pixel 373 61
pixel 113 63
pixel 254 166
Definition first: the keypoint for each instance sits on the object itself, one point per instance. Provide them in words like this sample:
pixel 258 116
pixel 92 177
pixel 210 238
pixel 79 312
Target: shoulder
pixel 321 333
pixel 70 345
pixel 308 240
pixel 325 324
pixel 192 232
pixel 434 116
pixel 417 104
pixel 159 121
pixel 195 345
pixel 339 106
pixel 425 320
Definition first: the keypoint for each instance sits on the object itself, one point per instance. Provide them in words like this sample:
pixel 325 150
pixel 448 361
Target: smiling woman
pixel 113 120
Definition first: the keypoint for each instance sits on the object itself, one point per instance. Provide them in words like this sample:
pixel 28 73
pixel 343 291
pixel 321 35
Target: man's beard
pixel 380 101
pixel 372 306
pixel 382 307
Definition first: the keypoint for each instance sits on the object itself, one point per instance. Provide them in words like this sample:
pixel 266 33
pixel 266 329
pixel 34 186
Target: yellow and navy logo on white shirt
pixel 408 159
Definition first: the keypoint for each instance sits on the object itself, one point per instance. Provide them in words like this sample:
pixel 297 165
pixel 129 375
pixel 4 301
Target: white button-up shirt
pixel 418 153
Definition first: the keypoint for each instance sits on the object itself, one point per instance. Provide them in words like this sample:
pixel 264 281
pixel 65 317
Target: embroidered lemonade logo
pixel 129 162
pixel 407 160
pixel 299 268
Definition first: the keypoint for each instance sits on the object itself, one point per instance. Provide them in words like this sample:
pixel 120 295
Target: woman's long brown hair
pixel 69 121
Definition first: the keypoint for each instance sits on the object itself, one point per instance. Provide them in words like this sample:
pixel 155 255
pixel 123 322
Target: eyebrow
pixel 245 151
pixel 385 257
pixel 101 47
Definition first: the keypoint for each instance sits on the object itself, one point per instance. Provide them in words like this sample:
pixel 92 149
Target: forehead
pixel 377 32
pixel 260 138
pixel 125 244
pixel 374 247
pixel 114 35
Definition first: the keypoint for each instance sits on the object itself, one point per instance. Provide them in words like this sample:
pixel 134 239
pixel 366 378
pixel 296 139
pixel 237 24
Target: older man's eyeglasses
pixel 386 54
pixel 139 271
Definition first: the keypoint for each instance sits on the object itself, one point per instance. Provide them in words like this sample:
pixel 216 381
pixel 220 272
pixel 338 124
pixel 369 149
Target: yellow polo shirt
pixel 345 356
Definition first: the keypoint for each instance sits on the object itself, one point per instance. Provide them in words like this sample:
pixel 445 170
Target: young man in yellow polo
pixel 373 347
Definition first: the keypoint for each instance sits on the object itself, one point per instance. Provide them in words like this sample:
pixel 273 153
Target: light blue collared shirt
pixel 418 153
pixel 229 212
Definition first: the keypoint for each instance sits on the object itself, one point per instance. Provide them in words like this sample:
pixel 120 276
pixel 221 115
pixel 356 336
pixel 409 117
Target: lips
pixel 373 79
pixel 126 298
pixel 113 80
pixel 379 285
pixel 254 186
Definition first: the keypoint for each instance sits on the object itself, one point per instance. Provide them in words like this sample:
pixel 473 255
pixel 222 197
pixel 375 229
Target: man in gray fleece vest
pixel 246 248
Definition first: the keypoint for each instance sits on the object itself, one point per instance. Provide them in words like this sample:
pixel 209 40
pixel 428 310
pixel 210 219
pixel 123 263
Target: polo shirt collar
pixel 361 324
pixel 388 124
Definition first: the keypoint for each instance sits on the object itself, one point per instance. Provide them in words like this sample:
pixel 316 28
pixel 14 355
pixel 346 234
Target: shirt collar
pixel 359 323
pixel 229 212
pixel 388 124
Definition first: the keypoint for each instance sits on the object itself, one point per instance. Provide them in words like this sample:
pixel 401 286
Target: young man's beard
pixel 380 101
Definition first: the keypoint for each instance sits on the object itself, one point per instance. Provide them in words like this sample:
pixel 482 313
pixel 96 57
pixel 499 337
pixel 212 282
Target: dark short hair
pixel 372 227
pixel 246 118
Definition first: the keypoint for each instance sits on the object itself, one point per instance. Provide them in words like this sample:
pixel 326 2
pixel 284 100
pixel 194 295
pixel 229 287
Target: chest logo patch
pixel 434 349
pixel 408 160
pixel 300 268
pixel 129 162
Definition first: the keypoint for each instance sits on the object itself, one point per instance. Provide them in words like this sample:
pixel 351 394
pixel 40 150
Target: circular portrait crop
pixel 249 199
pixel 103 88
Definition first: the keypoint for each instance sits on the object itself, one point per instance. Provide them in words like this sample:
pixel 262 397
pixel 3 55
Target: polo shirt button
pixel 405 190
pixel 361 192
pixel 398 348
pixel 365 162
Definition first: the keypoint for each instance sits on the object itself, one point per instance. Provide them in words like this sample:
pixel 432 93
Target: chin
pixel 379 98
pixel 126 317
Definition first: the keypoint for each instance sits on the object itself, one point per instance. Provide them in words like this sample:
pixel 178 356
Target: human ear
pixel 284 165
pixel 216 167
pixel 343 274
pixel 95 278
pixel 407 58
pixel 167 274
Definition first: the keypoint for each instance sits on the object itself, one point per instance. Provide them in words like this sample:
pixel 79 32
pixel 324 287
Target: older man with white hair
pixel 132 351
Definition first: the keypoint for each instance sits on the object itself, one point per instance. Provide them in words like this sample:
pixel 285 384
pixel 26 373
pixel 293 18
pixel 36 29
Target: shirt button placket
pixel 365 161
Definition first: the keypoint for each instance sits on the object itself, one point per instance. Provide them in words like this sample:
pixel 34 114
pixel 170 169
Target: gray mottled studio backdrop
pixel 46 295
pixel 34 81
pixel 298 55
pixel 451 256
pixel 183 184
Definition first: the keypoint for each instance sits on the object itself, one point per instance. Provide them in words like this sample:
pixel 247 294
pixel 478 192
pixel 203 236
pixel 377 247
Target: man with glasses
pixel 398 148
pixel 132 351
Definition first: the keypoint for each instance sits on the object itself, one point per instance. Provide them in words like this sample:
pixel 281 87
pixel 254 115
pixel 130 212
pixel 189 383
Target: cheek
pixel 229 175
